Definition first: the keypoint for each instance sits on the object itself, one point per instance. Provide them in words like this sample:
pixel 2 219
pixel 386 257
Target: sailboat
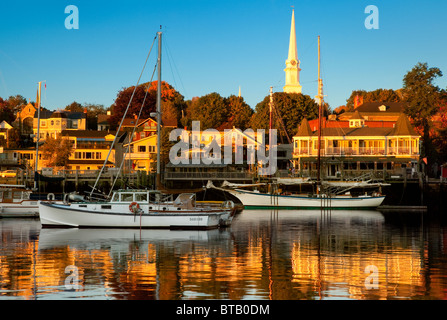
pixel 327 195
pixel 15 200
pixel 129 208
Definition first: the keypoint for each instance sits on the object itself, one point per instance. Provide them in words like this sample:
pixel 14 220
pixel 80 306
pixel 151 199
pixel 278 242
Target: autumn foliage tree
pixel 56 151
pixel 145 97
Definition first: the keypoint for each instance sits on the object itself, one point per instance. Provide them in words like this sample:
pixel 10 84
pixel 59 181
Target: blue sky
pixel 214 46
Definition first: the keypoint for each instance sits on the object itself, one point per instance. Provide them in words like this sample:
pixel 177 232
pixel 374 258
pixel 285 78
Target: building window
pixel 141 148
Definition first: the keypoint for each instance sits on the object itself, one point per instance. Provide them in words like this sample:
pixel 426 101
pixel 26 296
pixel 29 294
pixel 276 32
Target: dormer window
pixel 356 123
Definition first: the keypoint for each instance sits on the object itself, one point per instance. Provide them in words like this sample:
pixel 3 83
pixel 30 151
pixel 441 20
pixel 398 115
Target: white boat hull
pixel 119 216
pixel 24 208
pixel 251 199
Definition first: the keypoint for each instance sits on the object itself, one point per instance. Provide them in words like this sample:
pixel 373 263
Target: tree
pixel 378 95
pixel 423 98
pixel 438 132
pixel 16 102
pixel 74 107
pixel 239 111
pixel 6 112
pixel 210 110
pixel 93 110
pixel 168 93
pixel 291 109
pixel 56 151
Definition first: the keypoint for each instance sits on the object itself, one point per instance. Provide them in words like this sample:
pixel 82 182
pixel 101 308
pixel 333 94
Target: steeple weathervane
pixel 292 69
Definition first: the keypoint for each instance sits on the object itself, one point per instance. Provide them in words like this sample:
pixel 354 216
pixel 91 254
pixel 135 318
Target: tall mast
pixel 158 110
pixel 38 134
pixel 320 111
pixel 270 127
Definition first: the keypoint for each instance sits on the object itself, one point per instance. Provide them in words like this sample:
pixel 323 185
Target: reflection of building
pixel 362 141
pixel 262 257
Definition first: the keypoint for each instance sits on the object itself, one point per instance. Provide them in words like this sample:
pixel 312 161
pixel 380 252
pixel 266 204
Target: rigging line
pixel 122 120
pixel 133 131
pixel 282 122
pixel 168 52
pixel 170 65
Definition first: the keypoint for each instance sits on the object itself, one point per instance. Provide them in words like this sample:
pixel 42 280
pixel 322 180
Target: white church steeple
pixel 292 69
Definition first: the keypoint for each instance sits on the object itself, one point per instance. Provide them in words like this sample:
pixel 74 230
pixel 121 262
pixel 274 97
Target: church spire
pixel 293 54
pixel 292 69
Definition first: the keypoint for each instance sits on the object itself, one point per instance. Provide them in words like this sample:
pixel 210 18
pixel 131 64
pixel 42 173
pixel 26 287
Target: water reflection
pixel 264 255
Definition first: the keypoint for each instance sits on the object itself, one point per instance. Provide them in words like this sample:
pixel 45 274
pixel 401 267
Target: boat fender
pixel 134 207
pixel 50 197
pixel 228 204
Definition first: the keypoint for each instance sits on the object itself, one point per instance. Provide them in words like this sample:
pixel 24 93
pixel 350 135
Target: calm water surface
pixel 263 255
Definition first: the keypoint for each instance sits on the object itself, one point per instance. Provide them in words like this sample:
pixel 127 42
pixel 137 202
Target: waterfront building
pixel 90 149
pixel 142 153
pixel 52 124
pixel 358 143
pixel 25 119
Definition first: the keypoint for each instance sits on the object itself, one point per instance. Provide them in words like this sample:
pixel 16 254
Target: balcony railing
pixel 361 151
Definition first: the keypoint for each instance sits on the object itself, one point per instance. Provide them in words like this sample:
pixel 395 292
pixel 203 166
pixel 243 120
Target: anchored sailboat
pixel 327 195
pixel 140 208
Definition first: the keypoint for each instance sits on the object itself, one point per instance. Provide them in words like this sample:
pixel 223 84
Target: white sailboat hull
pixel 119 216
pixel 252 199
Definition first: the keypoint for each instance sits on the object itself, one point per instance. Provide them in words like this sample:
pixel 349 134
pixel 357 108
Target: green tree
pixel 291 108
pixel 379 95
pixel 239 111
pixel 210 110
pixel 93 110
pixel 74 107
pixel 422 97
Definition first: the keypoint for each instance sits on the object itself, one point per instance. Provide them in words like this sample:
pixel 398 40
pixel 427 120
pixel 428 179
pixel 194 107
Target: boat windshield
pixel 126 197
pixel 141 197
pixel 130 196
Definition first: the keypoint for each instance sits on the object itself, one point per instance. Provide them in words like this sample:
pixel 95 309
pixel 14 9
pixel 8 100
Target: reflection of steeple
pixel 292 63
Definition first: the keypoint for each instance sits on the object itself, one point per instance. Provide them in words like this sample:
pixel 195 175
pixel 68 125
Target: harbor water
pixel 264 255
